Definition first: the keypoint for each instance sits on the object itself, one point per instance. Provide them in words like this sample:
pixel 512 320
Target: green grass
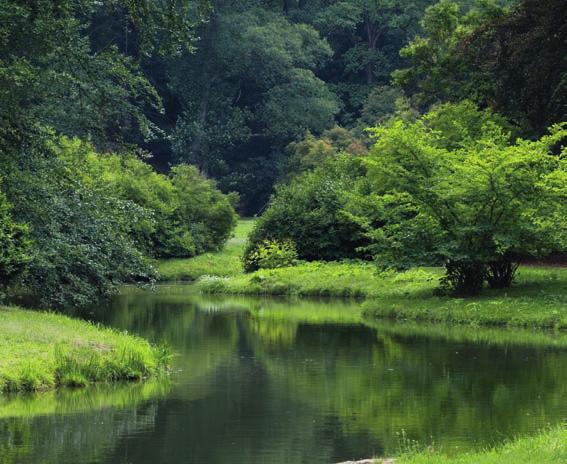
pixel 538 298
pixel 336 279
pixel 44 350
pixel 222 263
pixel 549 447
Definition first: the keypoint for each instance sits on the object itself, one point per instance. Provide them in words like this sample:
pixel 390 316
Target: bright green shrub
pixel 271 254
pixel 453 189
pixel 186 214
pixel 204 210
pixel 310 211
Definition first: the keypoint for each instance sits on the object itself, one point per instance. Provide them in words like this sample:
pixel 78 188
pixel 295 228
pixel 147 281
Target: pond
pixel 282 381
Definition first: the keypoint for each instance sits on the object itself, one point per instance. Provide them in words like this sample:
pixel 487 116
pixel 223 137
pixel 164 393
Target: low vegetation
pixel 42 350
pixel 336 279
pixel 549 447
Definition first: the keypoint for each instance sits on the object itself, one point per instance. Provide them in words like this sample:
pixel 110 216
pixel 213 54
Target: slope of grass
pixel 546 448
pixel 45 350
pixel 226 262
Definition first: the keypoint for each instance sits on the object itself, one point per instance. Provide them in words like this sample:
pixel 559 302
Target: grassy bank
pixel 43 350
pixel 357 279
pixel 546 448
pixel 538 299
pixel 226 262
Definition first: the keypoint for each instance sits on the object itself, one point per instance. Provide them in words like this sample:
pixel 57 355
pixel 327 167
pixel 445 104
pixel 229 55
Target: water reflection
pixel 274 381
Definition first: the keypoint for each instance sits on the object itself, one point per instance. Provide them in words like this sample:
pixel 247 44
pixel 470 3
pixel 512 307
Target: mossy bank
pixel 41 350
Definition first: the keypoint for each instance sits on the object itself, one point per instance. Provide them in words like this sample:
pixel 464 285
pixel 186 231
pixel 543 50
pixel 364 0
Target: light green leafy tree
pixel 458 191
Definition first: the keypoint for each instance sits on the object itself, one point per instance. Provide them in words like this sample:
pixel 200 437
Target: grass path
pixel 226 262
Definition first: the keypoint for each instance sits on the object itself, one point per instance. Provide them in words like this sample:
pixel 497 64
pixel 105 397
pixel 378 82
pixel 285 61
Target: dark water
pixel 267 381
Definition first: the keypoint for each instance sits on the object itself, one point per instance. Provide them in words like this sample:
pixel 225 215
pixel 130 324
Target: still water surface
pixel 265 381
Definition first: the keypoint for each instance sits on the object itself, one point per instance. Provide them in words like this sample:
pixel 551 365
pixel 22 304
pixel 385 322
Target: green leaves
pixel 14 244
pixel 475 197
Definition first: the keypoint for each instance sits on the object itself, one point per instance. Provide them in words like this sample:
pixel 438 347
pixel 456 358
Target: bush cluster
pixel 271 254
pixel 310 211
pixel 83 223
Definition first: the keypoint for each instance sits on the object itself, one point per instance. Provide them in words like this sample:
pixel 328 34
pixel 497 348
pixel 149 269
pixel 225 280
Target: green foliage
pixel 311 152
pixel 69 352
pixel 14 244
pixel 207 213
pixel 56 69
pixel 498 54
pixel 469 198
pixel 365 36
pixel 380 105
pixel 248 91
pixel 517 62
pixel 438 71
pixel 271 254
pixel 308 211
pixel 82 246
pixel 185 214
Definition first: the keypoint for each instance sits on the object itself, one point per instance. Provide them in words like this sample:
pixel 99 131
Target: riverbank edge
pixel 43 350
pixel 545 447
pixel 537 301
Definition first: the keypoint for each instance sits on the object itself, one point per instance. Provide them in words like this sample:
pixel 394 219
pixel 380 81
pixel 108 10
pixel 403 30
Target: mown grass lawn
pixel 44 350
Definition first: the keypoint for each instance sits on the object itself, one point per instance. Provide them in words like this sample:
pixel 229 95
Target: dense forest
pixel 405 132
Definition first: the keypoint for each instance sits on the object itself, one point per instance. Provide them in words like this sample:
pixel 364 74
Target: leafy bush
pixel 309 211
pixel 187 215
pixel 202 209
pixel 93 219
pixel 468 197
pixel 82 242
pixel 271 254
pixel 14 244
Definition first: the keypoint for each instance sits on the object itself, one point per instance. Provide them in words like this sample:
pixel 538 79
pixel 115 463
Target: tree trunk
pixel 372 34
pixel 287 6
